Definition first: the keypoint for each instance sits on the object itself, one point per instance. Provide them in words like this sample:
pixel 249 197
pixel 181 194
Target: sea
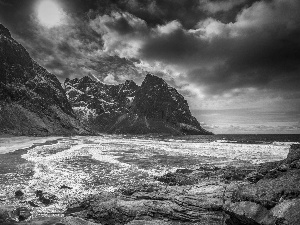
pixel 72 168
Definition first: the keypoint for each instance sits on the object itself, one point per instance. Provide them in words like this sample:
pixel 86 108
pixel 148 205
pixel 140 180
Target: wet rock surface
pixel 141 190
pixel 186 196
pixel 10 214
pixel 275 191
pixel 160 202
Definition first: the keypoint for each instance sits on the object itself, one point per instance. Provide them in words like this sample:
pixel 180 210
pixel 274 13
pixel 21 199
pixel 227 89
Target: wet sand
pixel 10 143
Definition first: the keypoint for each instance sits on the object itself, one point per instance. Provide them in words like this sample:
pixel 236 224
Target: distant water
pixel 246 138
pixel 228 138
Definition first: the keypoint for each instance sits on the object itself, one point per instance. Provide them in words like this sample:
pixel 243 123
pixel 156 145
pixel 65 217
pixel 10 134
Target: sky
pixel 237 62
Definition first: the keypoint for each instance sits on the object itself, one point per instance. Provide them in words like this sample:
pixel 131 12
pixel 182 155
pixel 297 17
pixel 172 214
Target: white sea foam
pixel 254 153
pixel 120 159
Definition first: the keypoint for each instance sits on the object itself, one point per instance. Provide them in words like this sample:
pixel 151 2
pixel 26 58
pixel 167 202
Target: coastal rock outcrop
pixel 32 100
pixel 276 193
pixel 171 205
pixel 153 107
pixel 11 215
pixel 186 196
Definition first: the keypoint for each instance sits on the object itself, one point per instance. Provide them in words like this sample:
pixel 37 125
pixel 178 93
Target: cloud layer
pixel 219 54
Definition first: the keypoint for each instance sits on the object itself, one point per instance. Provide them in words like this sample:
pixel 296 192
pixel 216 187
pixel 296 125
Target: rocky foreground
pixel 266 194
pixel 273 195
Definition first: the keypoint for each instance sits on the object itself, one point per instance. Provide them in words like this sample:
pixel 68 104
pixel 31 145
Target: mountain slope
pixel 154 107
pixel 32 101
pixel 158 108
pixel 97 104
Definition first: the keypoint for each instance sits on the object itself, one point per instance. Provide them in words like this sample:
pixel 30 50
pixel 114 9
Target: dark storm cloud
pixel 218 45
pixel 220 54
pixel 255 50
pixel 172 47
pixel 187 12
pixel 159 12
pixel 69 50
pixel 5 3
pixel 252 61
pixel 65 48
pixel 261 49
pixel 121 25
pixel 153 12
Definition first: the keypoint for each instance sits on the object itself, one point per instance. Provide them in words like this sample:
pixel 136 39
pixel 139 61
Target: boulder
pixel 274 196
pixel 268 192
pixel 294 153
pixel 65 187
pixel 5 214
pixel 295 164
pixel 287 212
pixel 45 198
pixel 19 194
pixel 22 213
pixel 10 214
pixel 247 213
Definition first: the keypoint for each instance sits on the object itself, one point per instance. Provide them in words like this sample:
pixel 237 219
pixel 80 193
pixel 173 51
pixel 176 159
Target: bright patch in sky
pixel 50 14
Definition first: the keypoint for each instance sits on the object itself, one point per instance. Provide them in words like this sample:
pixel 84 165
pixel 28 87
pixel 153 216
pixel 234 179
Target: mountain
pixel 32 100
pixel 153 107
pixel 99 105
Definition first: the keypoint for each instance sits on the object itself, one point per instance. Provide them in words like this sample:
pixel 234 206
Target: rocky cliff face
pixel 154 107
pixel 99 105
pixel 32 101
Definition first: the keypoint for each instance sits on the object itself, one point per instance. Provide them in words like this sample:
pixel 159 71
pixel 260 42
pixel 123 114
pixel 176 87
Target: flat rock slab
pixel 269 192
pixel 288 212
pixel 248 213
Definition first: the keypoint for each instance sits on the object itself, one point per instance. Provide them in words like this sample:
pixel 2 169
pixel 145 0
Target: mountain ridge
pixel 153 107
pixel 32 100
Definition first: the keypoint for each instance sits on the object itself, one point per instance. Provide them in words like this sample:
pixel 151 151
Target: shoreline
pixel 192 191
pixel 14 143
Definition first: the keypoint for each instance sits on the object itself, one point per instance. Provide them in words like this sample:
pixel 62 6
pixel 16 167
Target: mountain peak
pixel 151 79
pixel 153 107
pixel 130 83
pixel 86 79
pixel 32 100
pixel 4 31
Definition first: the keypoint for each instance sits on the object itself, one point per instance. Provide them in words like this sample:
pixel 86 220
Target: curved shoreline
pixel 14 143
